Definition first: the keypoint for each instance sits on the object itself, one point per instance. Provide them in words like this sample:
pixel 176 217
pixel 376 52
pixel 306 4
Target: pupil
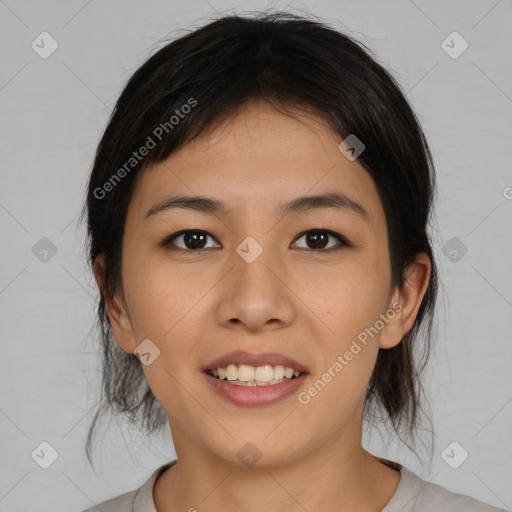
pixel 195 239
pixel 314 236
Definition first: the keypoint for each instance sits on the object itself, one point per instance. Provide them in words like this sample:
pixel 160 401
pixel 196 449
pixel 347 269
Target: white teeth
pixel 232 372
pixel 264 373
pixel 246 375
pixel 278 372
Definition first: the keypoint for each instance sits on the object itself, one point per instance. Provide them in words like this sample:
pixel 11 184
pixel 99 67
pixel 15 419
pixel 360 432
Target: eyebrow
pixel 210 205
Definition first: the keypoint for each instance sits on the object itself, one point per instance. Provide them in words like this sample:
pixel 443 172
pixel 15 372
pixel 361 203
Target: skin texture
pixel 198 304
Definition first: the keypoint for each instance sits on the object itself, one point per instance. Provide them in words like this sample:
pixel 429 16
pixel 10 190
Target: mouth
pixel 251 380
pixel 247 375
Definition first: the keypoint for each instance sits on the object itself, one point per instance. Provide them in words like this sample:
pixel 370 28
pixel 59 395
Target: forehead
pixel 256 158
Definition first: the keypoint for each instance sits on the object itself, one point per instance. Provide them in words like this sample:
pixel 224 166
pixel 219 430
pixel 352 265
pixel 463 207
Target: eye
pixel 191 239
pixel 318 239
pixel 194 239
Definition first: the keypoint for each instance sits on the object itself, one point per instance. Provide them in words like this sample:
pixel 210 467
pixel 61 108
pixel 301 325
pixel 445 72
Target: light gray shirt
pixel 412 495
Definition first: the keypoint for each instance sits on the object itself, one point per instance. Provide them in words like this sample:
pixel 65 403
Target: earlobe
pixel 119 319
pixel 410 297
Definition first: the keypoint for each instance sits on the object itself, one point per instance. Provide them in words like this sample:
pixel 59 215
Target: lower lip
pixel 255 395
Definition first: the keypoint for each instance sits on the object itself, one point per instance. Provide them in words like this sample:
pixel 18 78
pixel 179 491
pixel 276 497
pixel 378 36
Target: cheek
pixel 160 296
pixel 345 356
pixel 165 307
pixel 346 298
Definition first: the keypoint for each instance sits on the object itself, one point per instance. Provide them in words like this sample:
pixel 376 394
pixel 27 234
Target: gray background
pixel 53 112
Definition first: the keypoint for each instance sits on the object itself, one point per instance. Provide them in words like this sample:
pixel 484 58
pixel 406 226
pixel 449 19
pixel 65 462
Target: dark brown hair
pixel 289 61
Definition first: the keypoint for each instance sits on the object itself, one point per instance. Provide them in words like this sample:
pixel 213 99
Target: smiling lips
pixel 254 379
pixel 246 369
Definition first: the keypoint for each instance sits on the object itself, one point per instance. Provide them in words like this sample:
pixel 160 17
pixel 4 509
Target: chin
pixel 257 452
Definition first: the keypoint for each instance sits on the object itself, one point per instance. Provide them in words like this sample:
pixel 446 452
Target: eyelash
pixel 167 242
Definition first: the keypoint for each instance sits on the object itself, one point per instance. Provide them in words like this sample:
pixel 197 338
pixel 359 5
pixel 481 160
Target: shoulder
pixel 121 503
pixel 138 500
pixel 417 495
pixel 436 496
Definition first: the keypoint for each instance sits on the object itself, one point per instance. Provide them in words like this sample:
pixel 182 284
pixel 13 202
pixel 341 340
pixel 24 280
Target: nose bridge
pixel 256 293
pixel 255 263
pixel 257 245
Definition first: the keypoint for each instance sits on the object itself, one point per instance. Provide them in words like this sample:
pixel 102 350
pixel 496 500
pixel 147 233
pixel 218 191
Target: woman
pixel 257 216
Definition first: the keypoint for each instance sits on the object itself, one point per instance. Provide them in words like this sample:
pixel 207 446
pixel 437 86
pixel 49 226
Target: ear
pixel 406 302
pixel 117 310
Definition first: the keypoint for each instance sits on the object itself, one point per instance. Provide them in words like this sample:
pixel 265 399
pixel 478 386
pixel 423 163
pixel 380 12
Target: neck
pixel 340 475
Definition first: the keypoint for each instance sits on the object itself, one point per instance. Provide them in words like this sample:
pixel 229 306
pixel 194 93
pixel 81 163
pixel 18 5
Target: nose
pixel 255 295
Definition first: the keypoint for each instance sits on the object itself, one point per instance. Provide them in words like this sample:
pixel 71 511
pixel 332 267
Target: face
pixel 253 284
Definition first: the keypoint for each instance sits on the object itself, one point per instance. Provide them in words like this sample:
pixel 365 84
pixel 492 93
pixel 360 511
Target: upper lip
pixel 241 357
